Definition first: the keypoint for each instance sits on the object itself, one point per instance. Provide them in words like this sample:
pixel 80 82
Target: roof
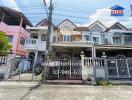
pixel 43 22
pixel 117 7
pixel 99 23
pixel 66 20
pixel 13 17
pixel 117 23
pixel 129 29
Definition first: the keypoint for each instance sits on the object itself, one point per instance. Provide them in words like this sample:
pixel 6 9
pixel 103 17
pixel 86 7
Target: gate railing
pixel 93 66
pixel 64 69
pixel 23 69
pixel 119 68
pixel 3 59
pixel 97 62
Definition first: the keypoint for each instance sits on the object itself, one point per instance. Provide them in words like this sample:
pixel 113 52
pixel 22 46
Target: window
pixel 67 38
pixel 116 40
pixel 96 39
pixel 35 36
pixel 128 39
pixel 10 38
pixel 86 37
pixel 43 37
pixel 54 38
pixel 22 40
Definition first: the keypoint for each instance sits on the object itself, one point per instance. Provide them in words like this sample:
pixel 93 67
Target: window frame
pixel 66 38
pixel 96 38
pixel 43 38
pixel 9 38
pixel 86 36
pixel 116 40
pixel 22 40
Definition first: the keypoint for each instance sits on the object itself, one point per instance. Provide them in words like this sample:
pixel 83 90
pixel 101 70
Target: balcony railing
pixel 31 43
pixel 35 44
pixel 73 43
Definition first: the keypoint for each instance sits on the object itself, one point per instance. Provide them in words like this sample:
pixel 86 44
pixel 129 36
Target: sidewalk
pixel 33 91
pixel 17 84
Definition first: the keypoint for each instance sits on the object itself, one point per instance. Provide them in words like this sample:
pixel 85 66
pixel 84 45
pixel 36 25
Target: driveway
pixel 2 71
pixel 32 91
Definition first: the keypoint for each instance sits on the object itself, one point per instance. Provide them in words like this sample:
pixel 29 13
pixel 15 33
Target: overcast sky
pixel 79 11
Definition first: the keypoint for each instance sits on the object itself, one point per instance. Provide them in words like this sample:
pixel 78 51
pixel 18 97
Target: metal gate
pixel 23 69
pixel 119 68
pixel 64 69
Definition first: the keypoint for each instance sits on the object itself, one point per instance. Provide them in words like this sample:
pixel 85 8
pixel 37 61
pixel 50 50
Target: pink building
pixel 16 36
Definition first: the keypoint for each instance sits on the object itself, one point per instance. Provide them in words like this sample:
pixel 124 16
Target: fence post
pixel 8 69
pixel 83 66
pixel 106 68
pixel 94 68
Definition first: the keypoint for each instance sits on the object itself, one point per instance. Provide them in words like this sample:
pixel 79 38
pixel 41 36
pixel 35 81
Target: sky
pixel 81 12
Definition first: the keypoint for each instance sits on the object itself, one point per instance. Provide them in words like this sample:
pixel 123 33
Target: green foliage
pixel 4 44
pixel 102 82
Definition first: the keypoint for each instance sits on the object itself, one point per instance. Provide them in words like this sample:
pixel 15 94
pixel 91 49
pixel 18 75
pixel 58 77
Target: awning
pixel 13 17
pixel 121 33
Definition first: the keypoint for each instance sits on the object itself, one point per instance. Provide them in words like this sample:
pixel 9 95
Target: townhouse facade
pixel 36 43
pixel 70 40
pixel 103 52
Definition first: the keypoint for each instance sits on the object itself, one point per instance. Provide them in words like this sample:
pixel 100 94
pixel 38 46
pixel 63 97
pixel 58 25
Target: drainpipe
pixel 19 34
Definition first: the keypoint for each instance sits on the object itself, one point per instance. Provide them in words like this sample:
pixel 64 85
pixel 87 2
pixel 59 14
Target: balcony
pixel 72 44
pixel 35 44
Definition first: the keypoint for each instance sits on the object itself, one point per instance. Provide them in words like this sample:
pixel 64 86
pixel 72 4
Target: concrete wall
pixel 100 73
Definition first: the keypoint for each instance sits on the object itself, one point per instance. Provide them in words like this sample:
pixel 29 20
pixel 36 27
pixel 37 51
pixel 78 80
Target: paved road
pixel 32 91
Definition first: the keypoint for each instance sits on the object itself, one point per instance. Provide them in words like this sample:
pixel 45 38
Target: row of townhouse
pixel 68 40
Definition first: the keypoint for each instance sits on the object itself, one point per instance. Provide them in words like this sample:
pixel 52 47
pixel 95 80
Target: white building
pixel 36 44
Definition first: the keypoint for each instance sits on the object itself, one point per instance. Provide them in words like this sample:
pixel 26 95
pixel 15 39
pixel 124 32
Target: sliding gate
pixel 119 68
pixel 64 69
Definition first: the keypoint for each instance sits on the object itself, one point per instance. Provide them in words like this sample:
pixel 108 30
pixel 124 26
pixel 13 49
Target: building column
pixel 84 77
pixel 94 56
pixel 35 61
pixel 87 71
pixel 93 51
pixel 36 57
pixel 122 40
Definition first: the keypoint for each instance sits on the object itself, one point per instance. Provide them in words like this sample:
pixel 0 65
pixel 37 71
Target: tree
pixel 4 44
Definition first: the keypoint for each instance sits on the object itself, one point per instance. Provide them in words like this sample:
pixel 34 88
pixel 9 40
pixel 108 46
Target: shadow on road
pixel 31 89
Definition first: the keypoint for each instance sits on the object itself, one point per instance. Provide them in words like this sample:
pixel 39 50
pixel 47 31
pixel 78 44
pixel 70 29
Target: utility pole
pixel 46 69
pixel 49 25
